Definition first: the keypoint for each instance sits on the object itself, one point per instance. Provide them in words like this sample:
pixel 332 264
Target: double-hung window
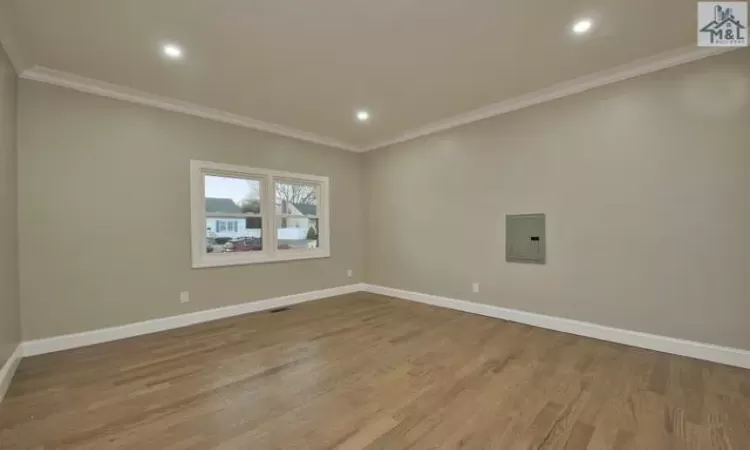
pixel 243 215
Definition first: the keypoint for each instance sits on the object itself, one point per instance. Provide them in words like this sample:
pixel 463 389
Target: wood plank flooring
pixel 363 371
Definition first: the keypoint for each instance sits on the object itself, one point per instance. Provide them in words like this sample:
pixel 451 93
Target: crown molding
pixel 624 72
pixel 104 89
pixel 634 69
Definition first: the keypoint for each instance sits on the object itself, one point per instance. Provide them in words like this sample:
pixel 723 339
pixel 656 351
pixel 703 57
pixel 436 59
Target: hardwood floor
pixel 366 371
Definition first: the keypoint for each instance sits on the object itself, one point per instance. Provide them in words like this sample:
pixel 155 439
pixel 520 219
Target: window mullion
pixel 269 220
pixel 321 210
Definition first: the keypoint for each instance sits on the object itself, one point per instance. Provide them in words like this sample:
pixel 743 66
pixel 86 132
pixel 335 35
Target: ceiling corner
pixel 10 40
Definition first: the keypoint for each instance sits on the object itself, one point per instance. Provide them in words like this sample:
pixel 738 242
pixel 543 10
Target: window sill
pixel 222 260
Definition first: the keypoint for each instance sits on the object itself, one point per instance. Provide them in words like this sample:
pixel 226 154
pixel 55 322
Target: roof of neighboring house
pixel 305 209
pixel 222 205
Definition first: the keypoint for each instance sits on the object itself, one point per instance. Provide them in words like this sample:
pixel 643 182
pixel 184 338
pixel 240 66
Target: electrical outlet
pixel 475 287
pixel 349 273
pixel 184 297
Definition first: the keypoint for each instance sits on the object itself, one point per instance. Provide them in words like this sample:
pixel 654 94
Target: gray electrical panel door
pixel 525 239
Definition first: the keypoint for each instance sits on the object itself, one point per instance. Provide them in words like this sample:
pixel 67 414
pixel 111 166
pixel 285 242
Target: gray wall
pixel 646 187
pixel 105 212
pixel 10 327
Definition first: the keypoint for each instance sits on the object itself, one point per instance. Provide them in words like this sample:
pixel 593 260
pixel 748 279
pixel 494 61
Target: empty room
pixel 349 224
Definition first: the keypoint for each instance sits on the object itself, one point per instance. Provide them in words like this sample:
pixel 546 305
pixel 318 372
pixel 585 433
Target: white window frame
pixel 270 253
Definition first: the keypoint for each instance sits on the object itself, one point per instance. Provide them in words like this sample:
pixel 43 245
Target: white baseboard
pixel 68 341
pixel 708 352
pixel 8 370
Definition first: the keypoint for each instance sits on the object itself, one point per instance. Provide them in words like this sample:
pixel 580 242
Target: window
pixel 296 214
pixel 229 226
pixel 242 215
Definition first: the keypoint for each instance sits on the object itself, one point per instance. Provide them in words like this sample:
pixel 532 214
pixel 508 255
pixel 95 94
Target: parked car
pixel 244 244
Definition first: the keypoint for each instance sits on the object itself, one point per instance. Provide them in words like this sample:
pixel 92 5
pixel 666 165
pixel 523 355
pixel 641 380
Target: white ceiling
pixel 308 65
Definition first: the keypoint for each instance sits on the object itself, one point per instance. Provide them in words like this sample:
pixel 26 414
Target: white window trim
pixel 270 253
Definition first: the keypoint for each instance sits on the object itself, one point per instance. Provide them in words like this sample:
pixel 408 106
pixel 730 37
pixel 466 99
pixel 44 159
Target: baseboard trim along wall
pixel 8 370
pixel 708 352
pixel 68 341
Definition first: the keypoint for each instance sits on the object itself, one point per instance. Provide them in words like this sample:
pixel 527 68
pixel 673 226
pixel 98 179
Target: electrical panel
pixel 525 239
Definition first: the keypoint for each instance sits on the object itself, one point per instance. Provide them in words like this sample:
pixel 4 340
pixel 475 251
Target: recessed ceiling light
pixel 363 116
pixel 172 51
pixel 582 26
